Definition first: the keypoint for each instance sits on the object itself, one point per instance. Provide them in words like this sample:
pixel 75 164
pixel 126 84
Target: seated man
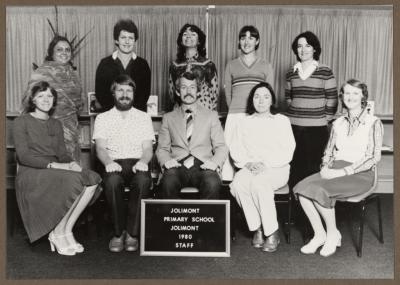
pixel 124 143
pixel 191 145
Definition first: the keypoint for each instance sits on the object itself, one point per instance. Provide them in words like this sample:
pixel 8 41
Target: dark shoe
pixel 258 238
pixel 131 243
pixel 271 243
pixel 117 243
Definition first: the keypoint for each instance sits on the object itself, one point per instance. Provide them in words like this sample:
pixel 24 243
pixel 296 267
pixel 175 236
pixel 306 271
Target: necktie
pixel 188 163
pixel 189 124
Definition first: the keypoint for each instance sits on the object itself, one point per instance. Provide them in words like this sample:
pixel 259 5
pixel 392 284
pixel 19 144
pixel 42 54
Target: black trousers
pixel 307 157
pixel 114 185
pixel 174 179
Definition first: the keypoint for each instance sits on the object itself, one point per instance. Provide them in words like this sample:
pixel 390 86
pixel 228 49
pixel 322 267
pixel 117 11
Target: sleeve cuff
pixel 349 170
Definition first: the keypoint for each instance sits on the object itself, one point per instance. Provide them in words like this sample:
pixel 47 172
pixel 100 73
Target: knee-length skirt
pixel 327 191
pixel 44 196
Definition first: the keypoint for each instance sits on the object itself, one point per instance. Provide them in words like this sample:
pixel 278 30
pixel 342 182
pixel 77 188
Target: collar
pixel 268 116
pixel 360 118
pixel 192 107
pixel 114 111
pixel 115 55
pixel 299 67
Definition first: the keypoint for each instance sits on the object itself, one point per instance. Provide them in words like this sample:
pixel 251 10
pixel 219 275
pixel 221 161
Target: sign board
pixel 185 228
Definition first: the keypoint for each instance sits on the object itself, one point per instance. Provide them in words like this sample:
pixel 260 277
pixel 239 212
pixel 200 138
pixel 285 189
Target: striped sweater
pixel 313 101
pixel 240 79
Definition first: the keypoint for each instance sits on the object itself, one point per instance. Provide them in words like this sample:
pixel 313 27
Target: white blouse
pixel 263 138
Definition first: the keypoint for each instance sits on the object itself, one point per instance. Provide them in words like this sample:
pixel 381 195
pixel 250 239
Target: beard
pixel 123 106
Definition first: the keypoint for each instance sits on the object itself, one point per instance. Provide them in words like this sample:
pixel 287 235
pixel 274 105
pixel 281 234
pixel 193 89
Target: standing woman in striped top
pixel 311 94
pixel 241 75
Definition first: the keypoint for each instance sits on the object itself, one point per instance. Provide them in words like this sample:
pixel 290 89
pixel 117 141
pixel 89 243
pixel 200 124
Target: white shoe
pixel 63 250
pixel 312 246
pixel 76 245
pixel 331 244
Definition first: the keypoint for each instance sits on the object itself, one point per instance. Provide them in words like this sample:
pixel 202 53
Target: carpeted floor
pixel 25 261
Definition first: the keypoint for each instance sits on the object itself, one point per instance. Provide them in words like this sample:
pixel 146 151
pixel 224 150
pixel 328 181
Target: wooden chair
pixel 362 201
pixel 283 196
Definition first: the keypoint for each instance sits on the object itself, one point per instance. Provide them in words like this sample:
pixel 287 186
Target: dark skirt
pixel 327 191
pixel 44 196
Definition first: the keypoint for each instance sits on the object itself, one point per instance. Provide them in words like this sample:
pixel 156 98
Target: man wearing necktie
pixel 191 146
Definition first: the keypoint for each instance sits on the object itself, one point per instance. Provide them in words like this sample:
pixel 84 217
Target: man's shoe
pixel 117 243
pixel 271 243
pixel 131 243
pixel 258 238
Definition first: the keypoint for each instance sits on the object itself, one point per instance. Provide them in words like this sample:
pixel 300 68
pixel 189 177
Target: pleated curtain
pixel 356 42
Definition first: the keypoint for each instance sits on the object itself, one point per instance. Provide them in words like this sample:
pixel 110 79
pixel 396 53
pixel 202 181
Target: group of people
pixel 259 150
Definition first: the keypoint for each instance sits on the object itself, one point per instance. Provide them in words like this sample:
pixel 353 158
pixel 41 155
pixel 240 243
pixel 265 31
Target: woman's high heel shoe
pixel 75 245
pixel 331 244
pixel 67 250
pixel 312 246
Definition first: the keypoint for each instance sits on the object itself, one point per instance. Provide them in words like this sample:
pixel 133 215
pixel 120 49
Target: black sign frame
pixel 189 203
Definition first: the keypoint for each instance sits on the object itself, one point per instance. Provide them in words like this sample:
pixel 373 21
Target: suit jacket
pixel 207 141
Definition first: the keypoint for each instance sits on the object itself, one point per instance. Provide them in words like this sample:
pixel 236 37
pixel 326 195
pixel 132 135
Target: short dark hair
pixel 36 88
pixel 201 49
pixel 250 109
pixel 253 32
pixel 189 76
pixel 358 84
pixel 312 40
pixel 53 43
pixel 123 79
pixel 125 25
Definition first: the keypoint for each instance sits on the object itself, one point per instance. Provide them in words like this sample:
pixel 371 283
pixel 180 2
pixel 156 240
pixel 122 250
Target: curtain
pixel 356 43
pixel 28 35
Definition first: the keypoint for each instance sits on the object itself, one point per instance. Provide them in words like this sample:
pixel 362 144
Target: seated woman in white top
pixel 262 148
pixel 353 150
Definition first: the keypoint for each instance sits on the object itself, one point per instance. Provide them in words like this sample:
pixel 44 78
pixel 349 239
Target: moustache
pixel 124 98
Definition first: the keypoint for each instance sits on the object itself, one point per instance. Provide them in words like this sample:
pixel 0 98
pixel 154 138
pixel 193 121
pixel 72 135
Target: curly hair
pixel 312 40
pixel 36 88
pixel 358 84
pixel 250 109
pixel 125 25
pixel 201 48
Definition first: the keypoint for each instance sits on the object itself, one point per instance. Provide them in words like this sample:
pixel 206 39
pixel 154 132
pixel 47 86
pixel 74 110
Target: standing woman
pixel 58 71
pixel 347 170
pixel 311 95
pixel 191 56
pixel 241 75
pixel 262 148
pixel 52 189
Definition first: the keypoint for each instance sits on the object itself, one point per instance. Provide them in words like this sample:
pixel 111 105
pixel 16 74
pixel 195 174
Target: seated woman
pixel 262 148
pixel 353 150
pixel 52 190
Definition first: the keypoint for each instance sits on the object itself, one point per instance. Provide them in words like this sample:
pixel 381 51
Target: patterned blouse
pixel 205 71
pixel 358 139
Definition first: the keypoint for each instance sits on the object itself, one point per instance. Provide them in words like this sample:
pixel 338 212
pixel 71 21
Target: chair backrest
pixel 358 198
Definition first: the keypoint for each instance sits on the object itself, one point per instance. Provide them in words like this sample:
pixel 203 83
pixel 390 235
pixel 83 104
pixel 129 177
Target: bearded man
pixel 124 139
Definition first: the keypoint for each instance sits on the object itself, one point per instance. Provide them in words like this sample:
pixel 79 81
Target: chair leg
pixel 289 224
pixel 361 229
pixel 378 206
pixel 233 213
